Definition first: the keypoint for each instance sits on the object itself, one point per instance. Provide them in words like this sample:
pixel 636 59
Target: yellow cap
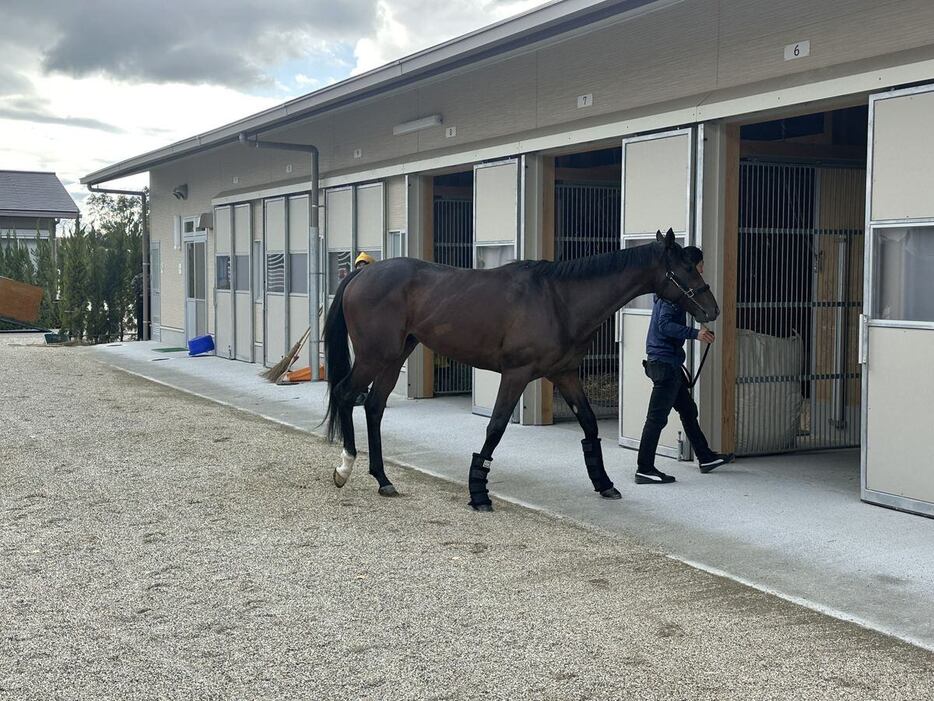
pixel 364 258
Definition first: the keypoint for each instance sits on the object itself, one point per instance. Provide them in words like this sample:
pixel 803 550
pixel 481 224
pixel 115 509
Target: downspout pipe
pixel 147 321
pixel 314 254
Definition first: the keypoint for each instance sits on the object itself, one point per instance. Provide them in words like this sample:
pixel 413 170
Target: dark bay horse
pixel 525 320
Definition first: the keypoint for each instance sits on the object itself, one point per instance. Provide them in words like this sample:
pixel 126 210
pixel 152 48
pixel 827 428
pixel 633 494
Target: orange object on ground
pixel 19 301
pixel 300 375
pixel 303 375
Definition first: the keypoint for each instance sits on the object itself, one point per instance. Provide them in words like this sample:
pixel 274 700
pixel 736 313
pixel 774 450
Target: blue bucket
pixel 200 344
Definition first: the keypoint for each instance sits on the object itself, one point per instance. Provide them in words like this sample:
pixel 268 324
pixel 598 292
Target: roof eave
pixel 40 213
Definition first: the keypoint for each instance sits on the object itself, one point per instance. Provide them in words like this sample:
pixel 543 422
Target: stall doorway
pixel 196 317
pixel 802 184
pixel 452 227
pixel 587 221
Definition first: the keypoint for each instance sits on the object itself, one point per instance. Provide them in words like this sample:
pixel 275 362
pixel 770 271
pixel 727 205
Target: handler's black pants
pixel 670 391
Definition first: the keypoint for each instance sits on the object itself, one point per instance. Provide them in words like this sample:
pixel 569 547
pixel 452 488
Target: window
pixel 189 226
pixel 242 279
pixel 903 273
pixel 298 273
pixel 155 268
pixel 338 268
pixel 222 271
pixel 257 271
pixel 196 273
pixel 495 256
pixel 275 272
pixel 396 244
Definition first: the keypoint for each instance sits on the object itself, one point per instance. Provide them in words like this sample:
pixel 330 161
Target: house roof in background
pixel 27 193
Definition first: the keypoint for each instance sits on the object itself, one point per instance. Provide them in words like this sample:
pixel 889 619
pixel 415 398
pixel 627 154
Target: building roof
pixel 537 25
pixel 27 193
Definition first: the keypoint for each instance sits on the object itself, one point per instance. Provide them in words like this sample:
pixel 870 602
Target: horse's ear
pixel 670 238
pixel 658 235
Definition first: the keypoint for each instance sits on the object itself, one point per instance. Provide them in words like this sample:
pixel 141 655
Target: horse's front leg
pixel 569 384
pixel 511 386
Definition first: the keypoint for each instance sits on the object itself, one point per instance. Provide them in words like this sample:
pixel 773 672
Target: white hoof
pixel 342 473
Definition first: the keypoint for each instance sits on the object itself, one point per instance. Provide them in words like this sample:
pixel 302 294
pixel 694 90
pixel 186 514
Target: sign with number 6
pixel 799 49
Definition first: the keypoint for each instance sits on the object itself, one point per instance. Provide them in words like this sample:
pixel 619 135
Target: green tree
pixel 19 265
pixel 47 279
pixel 119 220
pixel 75 277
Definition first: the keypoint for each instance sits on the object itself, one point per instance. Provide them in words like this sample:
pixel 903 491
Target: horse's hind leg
pixel 374 407
pixel 510 389
pixel 570 387
pixel 360 377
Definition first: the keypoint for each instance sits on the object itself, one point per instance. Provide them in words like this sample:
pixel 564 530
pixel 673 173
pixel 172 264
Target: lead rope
pixel 699 368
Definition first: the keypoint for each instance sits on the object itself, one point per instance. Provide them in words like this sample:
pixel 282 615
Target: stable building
pixel 789 140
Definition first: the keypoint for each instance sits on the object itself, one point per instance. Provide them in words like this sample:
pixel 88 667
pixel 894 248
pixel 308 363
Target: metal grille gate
pixel 799 294
pixel 453 245
pixel 587 220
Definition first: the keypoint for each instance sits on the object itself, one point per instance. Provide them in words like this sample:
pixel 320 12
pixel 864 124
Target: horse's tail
pixel 337 361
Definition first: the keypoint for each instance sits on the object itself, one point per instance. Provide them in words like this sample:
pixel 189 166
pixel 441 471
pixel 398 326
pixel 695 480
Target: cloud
pixel 13 82
pixel 42 117
pixel 306 81
pixel 22 103
pixel 406 26
pixel 233 43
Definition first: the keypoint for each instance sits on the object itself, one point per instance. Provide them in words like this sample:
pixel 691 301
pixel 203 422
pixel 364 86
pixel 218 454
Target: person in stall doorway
pixel 363 260
pixel 664 365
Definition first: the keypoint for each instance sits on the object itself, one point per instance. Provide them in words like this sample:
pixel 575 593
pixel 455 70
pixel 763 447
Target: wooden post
pixel 728 306
pixel 548 253
pixel 427 205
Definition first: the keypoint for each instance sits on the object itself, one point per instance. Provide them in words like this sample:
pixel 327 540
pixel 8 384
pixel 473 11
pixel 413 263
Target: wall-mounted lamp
pixel 180 192
pixel 417 125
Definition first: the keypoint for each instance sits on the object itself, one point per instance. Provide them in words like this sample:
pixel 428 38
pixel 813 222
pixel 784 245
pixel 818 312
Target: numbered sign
pixel 799 49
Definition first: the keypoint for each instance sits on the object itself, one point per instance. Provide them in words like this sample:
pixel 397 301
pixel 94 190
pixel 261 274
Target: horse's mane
pixel 593 266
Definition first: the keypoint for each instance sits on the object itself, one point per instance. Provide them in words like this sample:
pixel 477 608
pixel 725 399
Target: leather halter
pixel 685 291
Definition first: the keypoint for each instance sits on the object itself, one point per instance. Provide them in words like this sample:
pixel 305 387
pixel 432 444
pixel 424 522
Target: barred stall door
pixel 453 245
pixel 587 224
pixel 799 292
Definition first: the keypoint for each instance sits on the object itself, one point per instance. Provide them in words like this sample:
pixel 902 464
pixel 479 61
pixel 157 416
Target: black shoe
pixel 649 475
pixel 716 461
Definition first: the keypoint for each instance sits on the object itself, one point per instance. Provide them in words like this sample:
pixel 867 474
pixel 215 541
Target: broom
pixel 279 369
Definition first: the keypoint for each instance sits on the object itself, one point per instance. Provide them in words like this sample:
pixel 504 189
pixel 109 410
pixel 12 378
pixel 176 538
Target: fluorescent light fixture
pixel 417 125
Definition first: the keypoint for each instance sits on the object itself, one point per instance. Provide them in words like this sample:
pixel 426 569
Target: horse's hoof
pixel 611 493
pixel 339 480
pixel 481 507
pixel 388 491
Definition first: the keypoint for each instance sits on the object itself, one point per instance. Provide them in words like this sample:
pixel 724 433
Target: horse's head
pixel 679 280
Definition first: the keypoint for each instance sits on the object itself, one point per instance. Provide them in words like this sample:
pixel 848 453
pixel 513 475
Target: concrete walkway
pixel 792 526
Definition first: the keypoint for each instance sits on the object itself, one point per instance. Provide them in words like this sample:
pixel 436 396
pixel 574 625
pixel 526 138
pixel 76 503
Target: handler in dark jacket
pixel 664 347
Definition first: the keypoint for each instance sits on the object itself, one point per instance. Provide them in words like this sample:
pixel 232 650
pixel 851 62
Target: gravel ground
pixel 223 564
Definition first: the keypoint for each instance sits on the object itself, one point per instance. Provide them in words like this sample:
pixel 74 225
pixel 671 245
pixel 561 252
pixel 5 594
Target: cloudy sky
pixel 86 83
